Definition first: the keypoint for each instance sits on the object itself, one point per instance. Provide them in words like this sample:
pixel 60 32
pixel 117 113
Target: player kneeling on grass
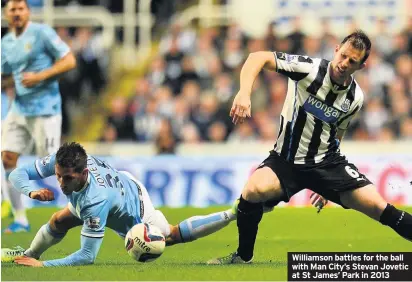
pixel 99 196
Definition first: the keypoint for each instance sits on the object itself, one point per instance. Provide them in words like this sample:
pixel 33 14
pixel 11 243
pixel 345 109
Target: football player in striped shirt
pixel 322 99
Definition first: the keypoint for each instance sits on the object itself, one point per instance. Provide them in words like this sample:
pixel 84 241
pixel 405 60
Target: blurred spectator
pixel 375 116
pixel 191 93
pixel 382 40
pixel 233 54
pixel 296 37
pixel 244 132
pixel 224 88
pixel 173 59
pixel 401 109
pixel 380 72
pixel 91 60
pixel 184 39
pixel 163 95
pixel 271 37
pixel 181 116
pixel 165 140
pixel 141 95
pixel 190 134
pixel 157 72
pixel 206 113
pixel 217 132
pixel 148 122
pixel 400 46
pixel 311 47
pixel 406 129
pixel 260 97
pixel 109 134
pixel 386 134
pixel 188 70
pixel 121 120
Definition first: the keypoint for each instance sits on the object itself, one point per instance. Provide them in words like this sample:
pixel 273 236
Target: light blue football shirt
pixel 5 104
pixel 36 49
pixel 110 198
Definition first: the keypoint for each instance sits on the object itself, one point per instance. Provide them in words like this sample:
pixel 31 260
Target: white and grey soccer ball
pixel 144 242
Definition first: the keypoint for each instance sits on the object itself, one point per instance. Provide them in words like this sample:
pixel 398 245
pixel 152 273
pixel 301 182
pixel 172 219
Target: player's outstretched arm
pixel 86 255
pixel 41 168
pixel 241 107
pixel 253 65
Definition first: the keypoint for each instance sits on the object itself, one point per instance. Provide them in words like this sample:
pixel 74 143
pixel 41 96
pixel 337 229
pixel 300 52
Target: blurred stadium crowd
pixel 186 93
pixel 187 90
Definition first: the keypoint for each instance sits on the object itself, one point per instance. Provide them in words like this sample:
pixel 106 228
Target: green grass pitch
pixel 281 231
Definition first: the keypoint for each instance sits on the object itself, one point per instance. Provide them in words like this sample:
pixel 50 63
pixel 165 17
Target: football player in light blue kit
pixel 99 196
pixel 32 57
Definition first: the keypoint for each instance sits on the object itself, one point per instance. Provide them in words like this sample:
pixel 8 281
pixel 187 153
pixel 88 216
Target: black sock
pixel 398 220
pixel 248 218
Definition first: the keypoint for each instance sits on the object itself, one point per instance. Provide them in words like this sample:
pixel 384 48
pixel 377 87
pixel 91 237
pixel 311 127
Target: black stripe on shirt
pixel 286 141
pixel 314 142
pixel 347 116
pixel 297 134
pixel 296 76
pixel 314 87
pixel 331 98
pixel 351 93
pixel 333 144
pixel 280 130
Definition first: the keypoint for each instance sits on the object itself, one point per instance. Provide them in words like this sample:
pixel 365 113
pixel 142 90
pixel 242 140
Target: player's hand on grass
pixel 28 261
pixel 43 195
pixel 31 79
pixel 241 108
pixel 318 201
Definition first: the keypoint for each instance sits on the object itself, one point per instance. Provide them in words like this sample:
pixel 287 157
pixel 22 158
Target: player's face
pixel 70 180
pixel 346 61
pixel 17 13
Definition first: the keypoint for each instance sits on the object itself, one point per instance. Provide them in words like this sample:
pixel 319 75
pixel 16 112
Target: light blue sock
pixel 18 209
pixel 44 239
pixel 200 226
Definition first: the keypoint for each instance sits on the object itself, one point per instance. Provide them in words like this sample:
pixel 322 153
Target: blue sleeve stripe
pixel 38 169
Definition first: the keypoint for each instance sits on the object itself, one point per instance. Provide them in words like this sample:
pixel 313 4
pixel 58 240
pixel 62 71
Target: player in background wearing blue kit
pixel 99 196
pixel 32 57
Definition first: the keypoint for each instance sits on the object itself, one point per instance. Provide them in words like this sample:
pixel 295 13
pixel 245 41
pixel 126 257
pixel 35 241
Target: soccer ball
pixel 144 242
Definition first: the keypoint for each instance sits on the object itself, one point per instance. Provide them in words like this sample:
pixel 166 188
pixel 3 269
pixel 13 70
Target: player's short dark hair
pixel 25 1
pixel 72 155
pixel 360 41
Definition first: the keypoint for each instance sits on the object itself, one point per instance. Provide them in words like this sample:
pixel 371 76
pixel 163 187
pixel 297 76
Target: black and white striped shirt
pixel 314 110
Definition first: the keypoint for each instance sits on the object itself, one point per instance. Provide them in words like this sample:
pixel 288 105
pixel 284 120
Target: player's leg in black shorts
pixel 287 176
pixel 332 177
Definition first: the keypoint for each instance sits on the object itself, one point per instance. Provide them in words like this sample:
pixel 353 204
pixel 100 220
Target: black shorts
pixel 328 178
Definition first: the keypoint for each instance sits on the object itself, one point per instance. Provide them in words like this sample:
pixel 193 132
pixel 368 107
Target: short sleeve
pixel 296 67
pixel 95 218
pixel 57 48
pixel 45 166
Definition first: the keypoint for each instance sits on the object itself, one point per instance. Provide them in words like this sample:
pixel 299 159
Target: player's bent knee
pixel 255 192
pixel 261 189
pixel 9 159
pixel 58 224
